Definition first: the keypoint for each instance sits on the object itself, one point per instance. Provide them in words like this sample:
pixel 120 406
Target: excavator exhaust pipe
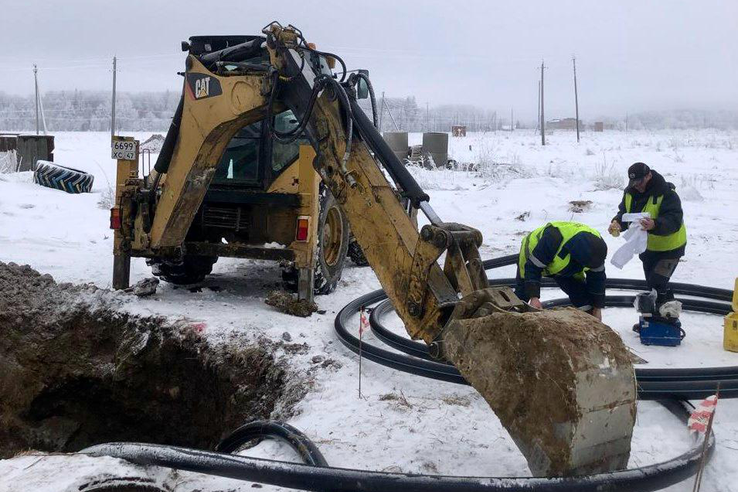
pixel 561 382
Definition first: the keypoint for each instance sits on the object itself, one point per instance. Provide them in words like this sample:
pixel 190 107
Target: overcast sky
pixel 632 55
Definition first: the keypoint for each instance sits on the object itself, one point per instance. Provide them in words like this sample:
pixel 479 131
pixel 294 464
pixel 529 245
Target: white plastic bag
pixel 636 238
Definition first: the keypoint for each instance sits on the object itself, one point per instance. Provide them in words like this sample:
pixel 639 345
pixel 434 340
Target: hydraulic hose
pixel 306 477
pixel 270 429
pixel 167 148
pixel 371 136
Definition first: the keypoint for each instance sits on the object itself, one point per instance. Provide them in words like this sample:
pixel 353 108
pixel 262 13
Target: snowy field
pixel 403 422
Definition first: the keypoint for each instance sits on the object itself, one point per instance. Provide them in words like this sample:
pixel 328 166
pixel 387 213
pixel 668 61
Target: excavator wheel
pixel 190 269
pixel 357 254
pixel 333 246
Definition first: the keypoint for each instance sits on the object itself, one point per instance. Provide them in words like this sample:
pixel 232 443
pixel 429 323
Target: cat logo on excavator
pixel 203 86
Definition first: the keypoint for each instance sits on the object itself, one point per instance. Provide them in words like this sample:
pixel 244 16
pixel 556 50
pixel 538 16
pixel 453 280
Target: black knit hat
pixel 637 172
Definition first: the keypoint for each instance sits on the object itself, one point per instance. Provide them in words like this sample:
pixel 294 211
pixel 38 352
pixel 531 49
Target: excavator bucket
pixel 560 381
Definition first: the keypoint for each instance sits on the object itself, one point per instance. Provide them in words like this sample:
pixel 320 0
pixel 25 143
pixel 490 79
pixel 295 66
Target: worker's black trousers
pixel 575 288
pixel 658 271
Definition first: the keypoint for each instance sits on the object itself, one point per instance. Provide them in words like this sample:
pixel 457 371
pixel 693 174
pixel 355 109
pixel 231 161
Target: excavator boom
pixel 561 382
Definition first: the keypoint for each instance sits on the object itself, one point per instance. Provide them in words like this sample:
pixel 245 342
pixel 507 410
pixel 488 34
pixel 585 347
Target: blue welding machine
pixel 652 327
pixel 655 330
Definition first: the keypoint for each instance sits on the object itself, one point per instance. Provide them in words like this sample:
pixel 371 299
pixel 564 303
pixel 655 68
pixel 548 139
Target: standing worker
pixel 648 191
pixel 573 255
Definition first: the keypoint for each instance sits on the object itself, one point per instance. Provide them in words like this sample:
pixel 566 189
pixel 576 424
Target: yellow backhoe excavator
pixel 561 382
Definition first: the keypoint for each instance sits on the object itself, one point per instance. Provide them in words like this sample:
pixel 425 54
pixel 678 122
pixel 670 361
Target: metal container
pixel 8 142
pixel 435 144
pixel 397 141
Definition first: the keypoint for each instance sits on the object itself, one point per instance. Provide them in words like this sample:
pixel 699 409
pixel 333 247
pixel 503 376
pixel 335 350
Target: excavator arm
pixel 560 381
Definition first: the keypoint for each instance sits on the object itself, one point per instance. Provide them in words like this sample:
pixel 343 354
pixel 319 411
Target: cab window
pixel 240 161
pixel 285 154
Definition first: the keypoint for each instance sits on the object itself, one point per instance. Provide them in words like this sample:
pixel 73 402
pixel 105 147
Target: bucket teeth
pixel 560 381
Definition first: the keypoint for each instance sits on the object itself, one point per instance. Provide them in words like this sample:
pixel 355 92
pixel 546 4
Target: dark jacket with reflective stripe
pixel 670 216
pixel 544 253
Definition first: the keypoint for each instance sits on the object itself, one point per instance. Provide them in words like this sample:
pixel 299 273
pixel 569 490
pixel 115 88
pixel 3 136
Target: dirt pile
pixel 290 304
pixel 560 381
pixel 76 371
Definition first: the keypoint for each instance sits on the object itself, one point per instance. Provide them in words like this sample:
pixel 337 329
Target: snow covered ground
pixel 403 422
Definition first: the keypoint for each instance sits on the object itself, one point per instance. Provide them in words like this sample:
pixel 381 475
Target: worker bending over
pixel 648 191
pixel 573 255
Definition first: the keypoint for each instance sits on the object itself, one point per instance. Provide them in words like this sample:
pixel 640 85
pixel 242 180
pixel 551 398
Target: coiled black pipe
pixel 305 477
pixel 653 384
pixel 270 429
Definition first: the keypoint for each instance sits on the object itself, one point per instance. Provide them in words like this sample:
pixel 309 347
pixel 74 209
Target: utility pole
pixel 538 114
pixel 381 112
pixel 543 118
pixel 512 125
pixel 35 83
pixel 576 96
pixel 112 111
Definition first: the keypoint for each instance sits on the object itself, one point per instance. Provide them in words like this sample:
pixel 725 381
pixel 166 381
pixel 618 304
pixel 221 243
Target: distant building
pixel 563 124
pixel 599 126
pixel 458 131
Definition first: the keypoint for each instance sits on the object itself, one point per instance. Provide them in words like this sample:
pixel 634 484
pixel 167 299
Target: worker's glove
pixel 614 228
pixel 535 302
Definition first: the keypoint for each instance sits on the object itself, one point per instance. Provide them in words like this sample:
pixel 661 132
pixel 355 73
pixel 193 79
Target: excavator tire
pixel 62 178
pixel 333 246
pixel 357 254
pixel 190 269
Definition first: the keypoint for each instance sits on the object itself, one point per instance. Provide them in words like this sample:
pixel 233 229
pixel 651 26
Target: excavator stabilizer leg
pixel 560 381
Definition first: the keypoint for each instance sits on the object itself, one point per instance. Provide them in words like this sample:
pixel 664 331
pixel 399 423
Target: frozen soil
pixel 536 371
pixel 76 371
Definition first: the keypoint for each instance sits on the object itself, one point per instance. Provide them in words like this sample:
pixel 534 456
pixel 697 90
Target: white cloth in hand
pixel 636 238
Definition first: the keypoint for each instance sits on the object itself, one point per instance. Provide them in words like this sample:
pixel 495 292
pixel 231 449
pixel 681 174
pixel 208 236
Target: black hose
pixel 270 429
pixel 372 97
pixel 305 477
pixel 167 148
pixel 236 53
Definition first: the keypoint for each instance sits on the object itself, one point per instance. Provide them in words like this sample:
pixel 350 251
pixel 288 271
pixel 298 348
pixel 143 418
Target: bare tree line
pixel 152 111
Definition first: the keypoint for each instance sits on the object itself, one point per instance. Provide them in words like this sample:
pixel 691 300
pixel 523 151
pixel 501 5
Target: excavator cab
pixel 265 202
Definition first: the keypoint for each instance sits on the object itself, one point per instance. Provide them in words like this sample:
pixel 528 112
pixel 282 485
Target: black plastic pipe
pixel 684 383
pixel 305 477
pixel 270 429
